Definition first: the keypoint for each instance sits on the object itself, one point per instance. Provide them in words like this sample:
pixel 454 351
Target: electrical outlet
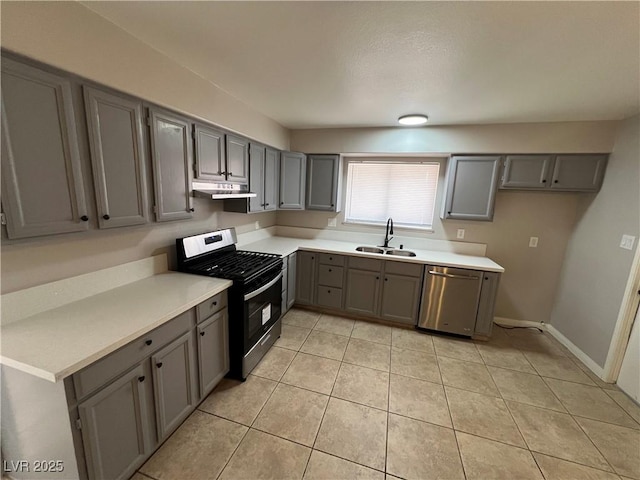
pixel 332 222
pixel 627 242
pixel 533 242
pixel 257 225
pixel 460 233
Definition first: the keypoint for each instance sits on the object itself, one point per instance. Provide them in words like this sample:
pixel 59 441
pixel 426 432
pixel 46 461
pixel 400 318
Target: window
pixel 402 190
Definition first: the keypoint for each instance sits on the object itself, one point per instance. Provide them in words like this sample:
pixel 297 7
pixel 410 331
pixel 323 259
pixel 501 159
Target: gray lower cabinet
pixel 213 351
pixel 116 433
pixel 582 173
pixel 291 279
pixel 363 288
pixel 237 159
pixel 400 298
pixel 330 281
pixel 526 172
pixel 118 157
pixel 292 181
pixel 323 182
pixel 40 148
pixel 471 187
pixel 210 153
pixel 172 157
pixel 305 277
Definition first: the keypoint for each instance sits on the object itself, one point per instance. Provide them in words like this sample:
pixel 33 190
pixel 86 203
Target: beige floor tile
pixel 372 332
pixel 504 356
pixel 274 363
pixel 362 385
pixel 626 403
pixel 555 433
pixel 590 402
pixel 136 476
pixel 292 413
pixel 334 324
pixel 368 354
pixel 354 432
pixel 457 348
pixel 412 363
pixel 264 456
pixel 419 399
pixel 199 448
pixel 312 372
pixel 556 469
pixel 531 340
pixel 484 416
pixel 327 467
pixel 239 401
pixel 325 344
pixel 558 367
pixel 485 459
pixel 412 340
pixel 391 477
pixel 467 375
pixel 419 450
pixel 525 388
pixel 619 445
pixel 292 337
pixel 301 318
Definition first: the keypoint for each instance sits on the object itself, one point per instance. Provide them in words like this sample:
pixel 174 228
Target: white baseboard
pixel 510 322
pixel 593 366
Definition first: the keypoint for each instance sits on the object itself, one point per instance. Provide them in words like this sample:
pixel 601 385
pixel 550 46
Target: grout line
pixel 386 430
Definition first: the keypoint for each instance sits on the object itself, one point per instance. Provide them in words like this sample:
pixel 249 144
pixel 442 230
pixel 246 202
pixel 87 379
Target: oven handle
pixel 249 296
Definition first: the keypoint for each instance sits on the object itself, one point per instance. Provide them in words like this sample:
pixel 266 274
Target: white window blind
pixel 404 191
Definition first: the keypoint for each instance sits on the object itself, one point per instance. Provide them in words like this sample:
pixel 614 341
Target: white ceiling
pixel 346 64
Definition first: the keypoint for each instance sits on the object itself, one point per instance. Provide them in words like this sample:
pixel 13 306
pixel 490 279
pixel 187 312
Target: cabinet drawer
pixel 330 276
pixel 331 259
pixel 101 372
pixel 365 264
pixel 329 297
pixel 211 306
pixel 404 268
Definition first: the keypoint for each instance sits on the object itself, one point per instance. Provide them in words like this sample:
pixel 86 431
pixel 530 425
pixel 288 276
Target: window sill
pixel 395 226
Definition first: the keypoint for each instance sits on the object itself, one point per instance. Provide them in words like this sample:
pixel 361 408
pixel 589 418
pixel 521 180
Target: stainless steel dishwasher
pixel 450 300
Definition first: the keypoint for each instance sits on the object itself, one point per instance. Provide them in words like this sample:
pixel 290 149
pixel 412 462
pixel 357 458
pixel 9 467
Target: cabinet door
pixel 486 305
pixel 291 280
pixel 579 172
pixel 471 188
pixel 117 157
pixel 401 298
pixel 362 291
pixel 305 277
pixel 271 170
pixel 172 152
pixel 256 177
pixel 210 153
pixel 213 351
pixel 115 431
pixel 174 385
pixel 526 171
pixel 323 182
pixel 237 159
pixel 292 180
pixel 42 181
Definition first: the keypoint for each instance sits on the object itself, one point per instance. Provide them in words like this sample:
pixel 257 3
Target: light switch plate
pixel 533 242
pixel 332 222
pixel 627 242
pixel 460 233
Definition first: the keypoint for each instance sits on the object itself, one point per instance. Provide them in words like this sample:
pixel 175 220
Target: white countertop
pixel 56 343
pixel 288 245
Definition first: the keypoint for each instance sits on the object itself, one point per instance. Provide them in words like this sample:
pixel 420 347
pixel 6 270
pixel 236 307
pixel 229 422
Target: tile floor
pixel 343 399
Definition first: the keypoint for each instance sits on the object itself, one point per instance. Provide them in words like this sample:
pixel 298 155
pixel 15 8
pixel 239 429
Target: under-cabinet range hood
pixel 220 191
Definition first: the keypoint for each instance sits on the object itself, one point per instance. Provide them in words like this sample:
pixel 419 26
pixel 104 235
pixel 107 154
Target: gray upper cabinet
pixel 117 157
pixel 172 155
pixel 578 172
pixel 471 187
pixel 323 182
pixel 237 159
pixel 256 177
pixel 210 153
pixel 292 181
pixel 43 191
pixel 526 171
pixel 271 170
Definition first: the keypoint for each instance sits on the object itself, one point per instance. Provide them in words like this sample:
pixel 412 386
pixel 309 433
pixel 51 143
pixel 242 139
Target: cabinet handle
pixel 106 216
pixel 544 181
pixel 555 181
pixel 448 213
pixel 202 334
pixel 141 379
pixel 486 278
pixel 332 205
pixel 214 303
pixel 148 342
pixel 329 270
pixel 192 209
pixel 84 218
pixel 159 364
pixel 266 204
pixel 386 279
pixel 223 173
pixel 281 203
pixel 230 174
pixel 377 278
pixel 328 291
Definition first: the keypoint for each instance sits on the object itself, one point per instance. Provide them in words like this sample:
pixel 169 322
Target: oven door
pixel 263 307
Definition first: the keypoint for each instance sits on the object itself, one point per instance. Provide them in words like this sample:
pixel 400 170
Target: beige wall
pixel 69 36
pixel 596 269
pixel 528 285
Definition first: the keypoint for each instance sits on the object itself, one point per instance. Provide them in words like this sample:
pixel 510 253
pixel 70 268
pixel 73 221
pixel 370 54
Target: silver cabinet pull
pixel 451 275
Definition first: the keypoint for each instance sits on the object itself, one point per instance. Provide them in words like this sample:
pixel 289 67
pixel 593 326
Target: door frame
pixel 626 316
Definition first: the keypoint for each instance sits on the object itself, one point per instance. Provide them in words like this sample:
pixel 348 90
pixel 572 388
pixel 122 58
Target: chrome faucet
pixel 389 231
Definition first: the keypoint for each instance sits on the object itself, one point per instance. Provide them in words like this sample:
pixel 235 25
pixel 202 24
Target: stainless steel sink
pixel 370 249
pixel 401 253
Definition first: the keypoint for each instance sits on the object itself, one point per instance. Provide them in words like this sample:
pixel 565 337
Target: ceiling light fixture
pixel 413 119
